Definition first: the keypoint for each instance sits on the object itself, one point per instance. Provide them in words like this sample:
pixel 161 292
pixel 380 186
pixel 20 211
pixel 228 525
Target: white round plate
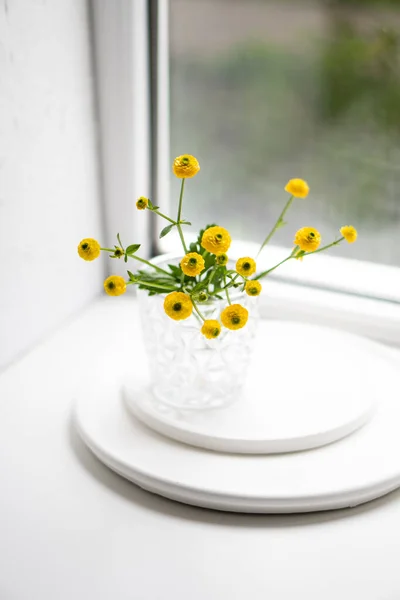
pixel 356 469
pixel 307 386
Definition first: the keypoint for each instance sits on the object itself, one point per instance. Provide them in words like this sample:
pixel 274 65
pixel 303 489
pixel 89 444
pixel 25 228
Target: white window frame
pixel 134 111
pixel 122 73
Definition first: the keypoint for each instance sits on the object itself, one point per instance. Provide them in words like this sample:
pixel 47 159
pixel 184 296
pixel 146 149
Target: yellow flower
pixel 142 203
pixel 234 316
pixel 298 188
pixel 222 259
pixel 115 285
pixel 216 240
pixel 178 306
pixel 192 264
pixel 349 233
pixel 89 249
pixel 308 239
pixel 253 288
pixel 185 166
pixel 211 329
pixel 246 266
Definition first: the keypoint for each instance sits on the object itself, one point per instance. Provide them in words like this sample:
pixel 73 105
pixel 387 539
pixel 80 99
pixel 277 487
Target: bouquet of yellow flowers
pixel 203 273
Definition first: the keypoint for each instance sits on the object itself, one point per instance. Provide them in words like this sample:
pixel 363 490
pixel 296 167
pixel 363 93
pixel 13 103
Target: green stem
pixel 146 262
pixel 197 310
pixel 264 273
pixel 227 285
pixel 155 285
pixel 325 247
pixel 212 274
pixel 226 291
pixel 277 224
pixel 178 219
pixel 180 200
pixel 182 238
pixel 160 214
pixel 108 250
pixel 120 243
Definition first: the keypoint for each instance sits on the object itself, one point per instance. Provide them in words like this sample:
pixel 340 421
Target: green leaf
pixel 193 247
pixel 125 258
pixel 166 230
pixel 209 261
pixel 151 205
pixel 185 223
pixel 132 248
pixel 131 275
pixel 202 285
pixel 176 271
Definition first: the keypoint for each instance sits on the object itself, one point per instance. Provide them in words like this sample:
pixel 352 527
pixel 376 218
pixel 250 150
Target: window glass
pixel 263 91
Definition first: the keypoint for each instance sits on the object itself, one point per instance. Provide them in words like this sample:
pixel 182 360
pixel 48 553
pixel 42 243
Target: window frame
pixel 121 40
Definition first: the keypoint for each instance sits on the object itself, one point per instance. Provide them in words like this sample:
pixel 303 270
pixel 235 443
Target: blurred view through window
pixel 263 91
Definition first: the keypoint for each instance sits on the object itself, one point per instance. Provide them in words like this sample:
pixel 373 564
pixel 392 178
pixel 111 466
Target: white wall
pixel 49 193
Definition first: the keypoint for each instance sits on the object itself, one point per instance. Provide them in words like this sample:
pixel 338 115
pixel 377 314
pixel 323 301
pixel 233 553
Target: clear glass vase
pixel 188 371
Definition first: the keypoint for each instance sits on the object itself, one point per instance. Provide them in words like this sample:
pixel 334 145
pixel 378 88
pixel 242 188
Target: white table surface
pixel 70 529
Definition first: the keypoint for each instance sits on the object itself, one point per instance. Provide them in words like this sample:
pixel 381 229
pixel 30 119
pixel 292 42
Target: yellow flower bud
pixel 192 264
pixel 234 316
pixel 253 288
pixel 115 285
pixel 307 239
pixel 297 188
pixel 89 249
pixel 246 266
pixel 349 233
pixel 216 240
pixel 178 306
pixel 185 166
pixel 142 203
pixel 211 329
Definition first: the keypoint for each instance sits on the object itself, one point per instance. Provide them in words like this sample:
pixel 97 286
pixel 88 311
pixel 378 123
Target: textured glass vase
pixel 187 370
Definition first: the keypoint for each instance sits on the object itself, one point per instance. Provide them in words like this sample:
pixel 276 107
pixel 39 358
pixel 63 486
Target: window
pixel 261 91
pixel 265 90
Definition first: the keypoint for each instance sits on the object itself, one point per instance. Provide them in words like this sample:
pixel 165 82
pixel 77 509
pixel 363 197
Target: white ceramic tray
pixel 356 469
pixel 304 389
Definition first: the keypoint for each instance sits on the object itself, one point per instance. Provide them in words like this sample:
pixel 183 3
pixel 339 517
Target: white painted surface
pixel 71 528
pixel 287 404
pixel 48 180
pixel 122 74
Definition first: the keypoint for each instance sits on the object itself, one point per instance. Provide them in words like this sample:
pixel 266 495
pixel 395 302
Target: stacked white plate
pixel 315 429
